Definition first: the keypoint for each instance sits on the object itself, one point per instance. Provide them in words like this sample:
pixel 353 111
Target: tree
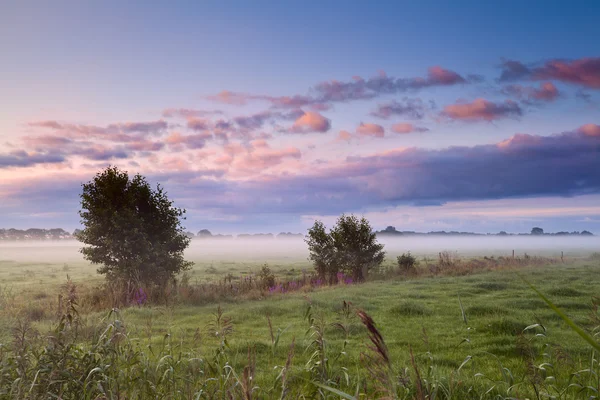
pixel 204 233
pixel 537 231
pixel 132 230
pixel 322 252
pixel 350 247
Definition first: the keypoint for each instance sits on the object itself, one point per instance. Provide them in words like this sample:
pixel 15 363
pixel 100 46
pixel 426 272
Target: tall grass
pixel 112 361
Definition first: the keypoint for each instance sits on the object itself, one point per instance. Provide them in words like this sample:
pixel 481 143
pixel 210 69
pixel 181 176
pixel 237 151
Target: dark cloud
pixel 409 108
pixel 20 158
pixel 567 164
pixel 546 92
pixel 586 97
pixel 513 70
pixel 584 71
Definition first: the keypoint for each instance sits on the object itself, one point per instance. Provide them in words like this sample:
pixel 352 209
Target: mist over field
pixel 272 250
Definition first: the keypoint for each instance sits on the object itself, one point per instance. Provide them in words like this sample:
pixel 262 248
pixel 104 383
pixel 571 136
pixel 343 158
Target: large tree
pixel 351 247
pixel 131 229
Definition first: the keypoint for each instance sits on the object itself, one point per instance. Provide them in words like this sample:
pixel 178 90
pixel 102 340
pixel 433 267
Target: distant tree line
pixel 536 231
pixel 34 234
pixel 61 234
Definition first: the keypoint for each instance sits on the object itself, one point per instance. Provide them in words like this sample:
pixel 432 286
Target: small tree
pixel 407 263
pixel 322 252
pixel 351 246
pixel 131 229
pixel 537 231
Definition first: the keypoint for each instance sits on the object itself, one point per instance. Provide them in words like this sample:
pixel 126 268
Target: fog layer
pixel 280 249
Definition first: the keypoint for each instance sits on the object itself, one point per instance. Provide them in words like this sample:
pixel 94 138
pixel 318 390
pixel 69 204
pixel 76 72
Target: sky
pixel 263 116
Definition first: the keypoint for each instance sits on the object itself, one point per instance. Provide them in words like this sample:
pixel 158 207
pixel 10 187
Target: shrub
pixel 407 263
pixel 266 276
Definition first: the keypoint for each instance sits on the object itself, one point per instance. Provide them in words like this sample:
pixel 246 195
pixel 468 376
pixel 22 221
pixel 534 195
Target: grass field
pixel 468 334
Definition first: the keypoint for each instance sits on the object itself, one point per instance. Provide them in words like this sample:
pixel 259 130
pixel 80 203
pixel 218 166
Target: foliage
pixel 322 252
pixel 267 277
pixel 132 230
pixel 350 246
pixel 407 263
pixel 537 231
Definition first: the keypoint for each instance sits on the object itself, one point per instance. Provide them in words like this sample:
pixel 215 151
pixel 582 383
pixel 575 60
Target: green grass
pixel 421 314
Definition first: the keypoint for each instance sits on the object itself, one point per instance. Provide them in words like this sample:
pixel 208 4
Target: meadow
pixel 469 333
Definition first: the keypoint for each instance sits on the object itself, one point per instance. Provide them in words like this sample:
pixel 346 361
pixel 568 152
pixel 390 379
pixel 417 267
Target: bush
pixel 266 276
pixel 407 263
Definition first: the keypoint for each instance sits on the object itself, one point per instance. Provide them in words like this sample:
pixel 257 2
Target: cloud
pixel 591 130
pixel 513 70
pixel 264 157
pixel 44 142
pixel 100 153
pixel 198 124
pixel 145 145
pixel 546 92
pixel 228 97
pixel 403 128
pixel 323 94
pixel 440 76
pixel 188 113
pixel 344 136
pixel 196 141
pixel 411 108
pixel 360 89
pixel 566 164
pixel 523 166
pixel 21 158
pixel 586 97
pixel 481 109
pixel 369 129
pixel 311 121
pixel 122 131
pixel 583 72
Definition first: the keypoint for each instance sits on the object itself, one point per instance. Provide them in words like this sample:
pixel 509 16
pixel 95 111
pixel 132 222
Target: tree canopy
pixel 350 246
pixel 134 231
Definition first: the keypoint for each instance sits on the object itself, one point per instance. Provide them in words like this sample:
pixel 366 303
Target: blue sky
pixel 100 70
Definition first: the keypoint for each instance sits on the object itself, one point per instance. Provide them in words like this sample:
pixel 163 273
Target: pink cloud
pixel 590 130
pixel 197 124
pixel 407 128
pixel 47 141
pixel 228 97
pixel 145 145
pixel 259 143
pixel 481 109
pixel 584 71
pixel 266 158
pixel 197 141
pixel 368 129
pixel 443 76
pixel 546 92
pixel 344 136
pixel 311 121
